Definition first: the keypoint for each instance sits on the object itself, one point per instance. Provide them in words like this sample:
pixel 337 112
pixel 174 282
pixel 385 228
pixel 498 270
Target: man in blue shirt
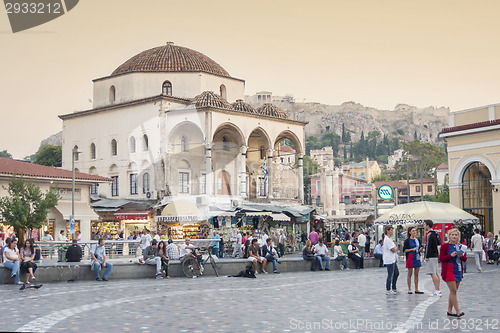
pixel 377 253
pixel 98 254
pixel 215 245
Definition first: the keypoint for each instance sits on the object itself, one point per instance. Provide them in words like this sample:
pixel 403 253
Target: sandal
pixel 419 292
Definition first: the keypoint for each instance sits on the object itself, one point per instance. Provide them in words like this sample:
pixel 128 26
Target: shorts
pixel 432 266
pixel 252 259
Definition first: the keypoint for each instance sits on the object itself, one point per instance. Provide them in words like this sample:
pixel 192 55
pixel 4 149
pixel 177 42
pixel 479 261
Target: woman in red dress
pixel 451 257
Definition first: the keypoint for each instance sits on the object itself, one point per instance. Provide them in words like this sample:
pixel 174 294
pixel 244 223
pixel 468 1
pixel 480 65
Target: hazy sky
pixel 377 53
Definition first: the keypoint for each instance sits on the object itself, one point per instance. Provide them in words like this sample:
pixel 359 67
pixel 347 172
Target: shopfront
pixel 133 222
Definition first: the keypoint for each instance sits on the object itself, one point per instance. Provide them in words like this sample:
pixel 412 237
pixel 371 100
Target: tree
pixel 331 139
pixel 5 153
pixel 49 155
pixel 25 206
pixel 420 159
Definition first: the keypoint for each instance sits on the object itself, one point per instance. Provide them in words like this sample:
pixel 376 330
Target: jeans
pixel 221 250
pixel 215 251
pixel 313 260
pixel 320 261
pixel 164 265
pixel 357 259
pixel 344 260
pixel 392 276
pixel 271 258
pixel 237 250
pixel 97 269
pixel 14 269
pixel 155 261
pixel 379 256
pixel 282 249
pixel 478 257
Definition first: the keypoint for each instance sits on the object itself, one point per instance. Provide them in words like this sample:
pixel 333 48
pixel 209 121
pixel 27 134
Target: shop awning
pixel 363 218
pixel 296 211
pixel 220 213
pixel 259 214
pixel 180 211
pixel 82 210
pixel 280 217
pixel 131 215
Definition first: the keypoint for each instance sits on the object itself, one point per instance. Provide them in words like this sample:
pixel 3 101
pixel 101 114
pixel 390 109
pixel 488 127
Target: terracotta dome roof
pixel 170 58
pixel 210 99
pixel 269 109
pixel 242 106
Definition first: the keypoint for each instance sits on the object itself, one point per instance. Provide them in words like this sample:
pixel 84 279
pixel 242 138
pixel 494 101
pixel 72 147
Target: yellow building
pixel 364 170
pixel 473 141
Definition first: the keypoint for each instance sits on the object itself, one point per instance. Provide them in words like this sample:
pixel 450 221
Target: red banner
pixel 132 216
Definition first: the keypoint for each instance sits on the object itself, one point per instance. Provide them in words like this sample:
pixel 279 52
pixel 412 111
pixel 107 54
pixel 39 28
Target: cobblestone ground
pixel 348 301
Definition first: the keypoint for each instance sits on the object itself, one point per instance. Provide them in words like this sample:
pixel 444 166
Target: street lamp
pixel 74 153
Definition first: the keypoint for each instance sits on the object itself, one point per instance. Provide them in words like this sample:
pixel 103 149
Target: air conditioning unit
pixel 148 195
pixel 201 201
pixel 235 203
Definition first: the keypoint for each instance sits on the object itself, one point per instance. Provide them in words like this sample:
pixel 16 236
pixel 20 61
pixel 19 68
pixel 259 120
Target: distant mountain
pixel 427 122
pixel 55 140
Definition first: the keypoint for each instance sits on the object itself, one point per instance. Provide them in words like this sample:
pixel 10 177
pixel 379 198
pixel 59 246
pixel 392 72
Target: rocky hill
pixel 427 122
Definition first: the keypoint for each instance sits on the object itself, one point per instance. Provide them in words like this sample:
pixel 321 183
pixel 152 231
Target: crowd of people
pixel 20 261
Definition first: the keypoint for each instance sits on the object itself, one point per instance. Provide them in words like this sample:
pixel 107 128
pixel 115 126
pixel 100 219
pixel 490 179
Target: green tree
pixel 380 177
pixel 25 206
pixel 331 139
pixel 5 153
pixel 49 155
pixel 420 159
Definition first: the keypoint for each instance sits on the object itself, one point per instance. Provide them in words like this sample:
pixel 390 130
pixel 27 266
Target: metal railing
pixel 115 249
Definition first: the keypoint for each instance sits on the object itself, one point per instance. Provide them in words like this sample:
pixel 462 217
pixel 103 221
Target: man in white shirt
pixel 390 255
pixel 61 237
pixel 145 239
pixel 477 249
pixel 362 243
pixel 281 243
pixel 321 252
pixel 264 238
pixel 237 245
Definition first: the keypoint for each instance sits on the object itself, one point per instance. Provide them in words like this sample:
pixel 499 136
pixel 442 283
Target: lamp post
pixel 75 153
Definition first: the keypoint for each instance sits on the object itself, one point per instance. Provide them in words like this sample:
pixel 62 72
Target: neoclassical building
pixel 473 143
pixel 172 122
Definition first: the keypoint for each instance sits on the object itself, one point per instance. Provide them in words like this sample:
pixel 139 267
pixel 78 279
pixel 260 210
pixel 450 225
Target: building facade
pixel 171 122
pixel 473 143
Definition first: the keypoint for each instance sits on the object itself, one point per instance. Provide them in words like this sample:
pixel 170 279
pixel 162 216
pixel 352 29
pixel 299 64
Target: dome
pixel 269 109
pixel 241 106
pixel 210 99
pixel 170 58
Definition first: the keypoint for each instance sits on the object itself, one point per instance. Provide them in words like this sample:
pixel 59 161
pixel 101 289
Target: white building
pixel 172 122
pixel 395 157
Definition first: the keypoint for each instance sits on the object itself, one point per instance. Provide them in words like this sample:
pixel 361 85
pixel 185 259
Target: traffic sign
pixel 385 192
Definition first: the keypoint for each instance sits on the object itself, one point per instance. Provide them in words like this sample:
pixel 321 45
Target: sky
pixel 376 53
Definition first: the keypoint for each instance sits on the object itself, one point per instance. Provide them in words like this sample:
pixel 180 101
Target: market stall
pixel 180 219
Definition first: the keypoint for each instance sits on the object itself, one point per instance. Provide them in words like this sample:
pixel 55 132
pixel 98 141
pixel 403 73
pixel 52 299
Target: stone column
pixel 301 178
pixel 209 174
pixel 269 167
pixel 243 172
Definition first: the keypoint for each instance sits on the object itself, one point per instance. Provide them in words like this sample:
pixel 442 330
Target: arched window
pixel 166 88
pixel 477 194
pixel 184 144
pixel 132 144
pixel 75 151
pixel 114 148
pixel 225 143
pixel 145 142
pixel 145 183
pixel 112 94
pixel 92 151
pixel 223 92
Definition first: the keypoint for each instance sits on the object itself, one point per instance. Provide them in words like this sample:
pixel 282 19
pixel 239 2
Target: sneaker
pixel 264 271
pixel 194 276
pixel 395 291
pixel 19 283
pixel 105 279
pixel 158 276
pixel 98 279
pixel 348 269
pixel 256 273
pixel 389 292
pixel 437 293
pixel 341 268
pixel 276 272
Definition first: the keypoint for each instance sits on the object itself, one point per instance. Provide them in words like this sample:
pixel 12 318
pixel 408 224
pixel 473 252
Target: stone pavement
pixel 336 301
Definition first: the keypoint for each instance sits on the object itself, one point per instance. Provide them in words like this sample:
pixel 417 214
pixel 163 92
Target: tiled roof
pixel 210 99
pixel 442 166
pixel 10 167
pixel 241 106
pixel 425 181
pixel 171 58
pixel 286 148
pixel 471 126
pixel 271 110
pixel 391 183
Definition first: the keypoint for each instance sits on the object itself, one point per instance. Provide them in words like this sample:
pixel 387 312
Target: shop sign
pixel 179 218
pixel 65 193
pixel 302 219
pixel 131 216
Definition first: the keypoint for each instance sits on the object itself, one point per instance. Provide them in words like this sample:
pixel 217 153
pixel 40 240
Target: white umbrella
pixel 418 212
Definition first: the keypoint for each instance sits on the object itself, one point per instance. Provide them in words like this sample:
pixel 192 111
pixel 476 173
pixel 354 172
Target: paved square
pixel 337 301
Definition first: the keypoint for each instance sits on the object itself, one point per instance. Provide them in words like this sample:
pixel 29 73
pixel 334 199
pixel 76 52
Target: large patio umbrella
pixel 418 212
